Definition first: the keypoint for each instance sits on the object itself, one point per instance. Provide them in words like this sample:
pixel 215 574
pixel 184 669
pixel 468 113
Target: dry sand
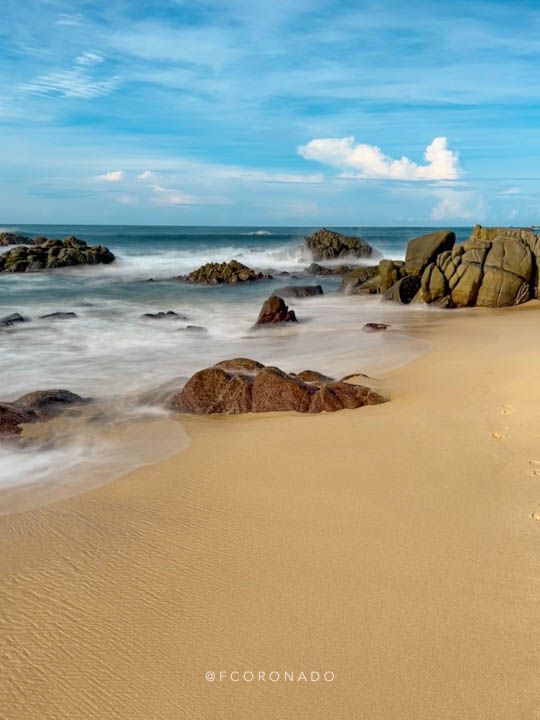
pixel 392 546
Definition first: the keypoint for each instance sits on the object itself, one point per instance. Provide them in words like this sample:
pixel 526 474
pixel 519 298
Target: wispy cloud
pixel 89 58
pixel 170 197
pixel 370 162
pixel 148 176
pixel 112 176
pixel 511 191
pixel 78 82
pixel 455 205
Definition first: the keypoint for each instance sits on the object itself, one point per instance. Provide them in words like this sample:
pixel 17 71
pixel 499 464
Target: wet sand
pixel 393 546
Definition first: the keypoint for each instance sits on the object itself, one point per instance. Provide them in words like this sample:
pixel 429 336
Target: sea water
pixel 128 364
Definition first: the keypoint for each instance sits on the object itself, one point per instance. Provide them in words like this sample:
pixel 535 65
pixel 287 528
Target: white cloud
pixel 147 175
pixel 369 162
pixel 271 177
pixel 89 58
pixel 166 196
pixel 455 205
pixel 511 191
pixel 112 176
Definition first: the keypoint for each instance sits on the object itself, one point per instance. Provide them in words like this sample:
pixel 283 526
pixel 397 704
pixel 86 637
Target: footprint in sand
pixel 535 467
pixel 508 410
pixel 498 435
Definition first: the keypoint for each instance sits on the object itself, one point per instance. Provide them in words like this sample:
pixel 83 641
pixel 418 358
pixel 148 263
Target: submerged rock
pixel 169 315
pixel 35 407
pixel 316 269
pixel 242 385
pixel 274 310
pixel 299 291
pixel 223 274
pixel 11 319
pixel 375 327
pixel 58 316
pixel 329 245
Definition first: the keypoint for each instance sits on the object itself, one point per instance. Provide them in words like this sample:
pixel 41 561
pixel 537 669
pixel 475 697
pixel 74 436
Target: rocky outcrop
pixel 404 290
pixel 274 310
pixel 299 291
pixel 223 274
pixel 35 407
pixel 9 320
pixel 9 238
pixel 241 386
pixel 169 315
pixel 328 245
pixel 374 279
pixel 353 282
pixel 495 267
pixel 51 254
pixel 425 248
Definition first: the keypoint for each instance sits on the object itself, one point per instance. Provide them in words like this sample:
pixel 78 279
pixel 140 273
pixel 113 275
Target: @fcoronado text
pixel 272 676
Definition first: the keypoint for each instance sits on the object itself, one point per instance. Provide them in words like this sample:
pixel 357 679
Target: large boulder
pixel 404 290
pixel 274 310
pixel 223 274
pixel 353 280
pixel 234 390
pixel 424 249
pixel 329 245
pixel 50 254
pixel 12 417
pixel 299 291
pixel 495 267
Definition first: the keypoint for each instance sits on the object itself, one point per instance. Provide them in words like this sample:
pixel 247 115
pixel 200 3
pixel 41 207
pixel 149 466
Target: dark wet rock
pixel 404 290
pixel 274 310
pixel 59 316
pixel 8 320
pixel 46 404
pixel 329 245
pixel 169 315
pixel 424 249
pixel 194 329
pixel 375 327
pixel 353 282
pixel 9 238
pixel 223 274
pixel 35 407
pixel 266 389
pixel 51 254
pixel 316 269
pixel 299 291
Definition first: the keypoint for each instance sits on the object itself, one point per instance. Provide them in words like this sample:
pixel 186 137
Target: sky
pixel 261 112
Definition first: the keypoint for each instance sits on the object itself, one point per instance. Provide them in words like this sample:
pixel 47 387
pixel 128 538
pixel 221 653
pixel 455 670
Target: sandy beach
pixel 392 547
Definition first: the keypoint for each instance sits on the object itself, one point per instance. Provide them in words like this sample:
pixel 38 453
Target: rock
pixel 299 291
pixel 214 391
pixel 11 417
pixel 390 271
pixel 250 388
pixel 169 315
pixel 274 310
pixel 353 280
pixel 8 320
pixel 316 269
pixel 312 376
pixel 194 329
pixel 328 245
pixel 46 404
pixel 375 327
pixel 58 316
pixel 242 365
pixel 51 254
pixel 222 274
pixel 8 238
pixel 404 290
pixel 424 249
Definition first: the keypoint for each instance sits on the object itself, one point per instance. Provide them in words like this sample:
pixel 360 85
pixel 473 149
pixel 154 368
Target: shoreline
pixel 392 545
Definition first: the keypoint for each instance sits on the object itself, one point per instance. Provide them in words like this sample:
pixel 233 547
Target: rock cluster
pixel 495 267
pixel 274 310
pixel 35 407
pixel 9 238
pixel 222 274
pixel 328 245
pixel 48 254
pixel 242 385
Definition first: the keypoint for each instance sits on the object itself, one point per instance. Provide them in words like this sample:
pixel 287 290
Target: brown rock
pixel 214 391
pixel 46 404
pixel 11 417
pixel 275 310
pixel 240 365
pixel 274 390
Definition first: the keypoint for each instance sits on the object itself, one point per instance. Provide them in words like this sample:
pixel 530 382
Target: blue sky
pixel 304 112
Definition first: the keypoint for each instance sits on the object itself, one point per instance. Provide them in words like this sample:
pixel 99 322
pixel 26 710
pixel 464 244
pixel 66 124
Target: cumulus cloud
pixel 148 176
pixel 455 205
pixel 368 161
pixel 170 197
pixel 112 176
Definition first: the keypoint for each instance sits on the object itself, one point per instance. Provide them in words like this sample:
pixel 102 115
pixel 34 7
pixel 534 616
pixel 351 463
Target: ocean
pixel 128 364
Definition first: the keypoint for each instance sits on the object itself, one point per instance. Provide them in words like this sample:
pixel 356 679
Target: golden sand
pixel 393 546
